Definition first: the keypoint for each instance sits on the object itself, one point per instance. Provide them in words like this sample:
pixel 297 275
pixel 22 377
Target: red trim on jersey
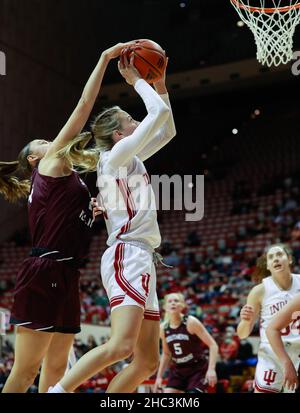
pixel 151 316
pixel 264 389
pixel 121 280
pixel 152 311
pixel 115 303
pixel 118 299
pixel 145 283
pixel 102 204
pixel 129 201
pixel 147 178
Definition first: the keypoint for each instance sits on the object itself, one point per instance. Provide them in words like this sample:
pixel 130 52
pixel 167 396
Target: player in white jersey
pixel 265 300
pixel 127 266
pixel 288 316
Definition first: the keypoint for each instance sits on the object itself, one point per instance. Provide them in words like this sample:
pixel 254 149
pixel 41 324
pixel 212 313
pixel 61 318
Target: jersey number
pixel 295 325
pixel 178 349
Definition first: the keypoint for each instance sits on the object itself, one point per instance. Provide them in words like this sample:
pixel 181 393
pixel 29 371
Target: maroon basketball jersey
pixel 186 348
pixel 59 215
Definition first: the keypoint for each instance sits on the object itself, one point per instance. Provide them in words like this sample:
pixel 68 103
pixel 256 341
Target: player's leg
pixel 176 381
pixel 55 361
pixel 30 348
pixel 268 374
pixel 125 327
pixel 196 382
pixel 145 361
pixel 294 355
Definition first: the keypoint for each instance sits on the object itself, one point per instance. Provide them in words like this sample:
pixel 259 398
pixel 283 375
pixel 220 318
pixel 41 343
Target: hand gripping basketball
pixel 127 69
pixel 150 59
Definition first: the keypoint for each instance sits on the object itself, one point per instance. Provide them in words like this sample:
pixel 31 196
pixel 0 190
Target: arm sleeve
pixel 124 150
pixel 165 134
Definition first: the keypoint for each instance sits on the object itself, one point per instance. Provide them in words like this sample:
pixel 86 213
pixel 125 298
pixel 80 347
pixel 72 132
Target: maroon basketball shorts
pixel 46 296
pixel 189 377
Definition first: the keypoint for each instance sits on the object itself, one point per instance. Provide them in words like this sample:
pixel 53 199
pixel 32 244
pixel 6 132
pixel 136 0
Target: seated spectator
pixel 245 351
pixel 166 247
pixel 172 259
pixel 91 343
pixel 193 240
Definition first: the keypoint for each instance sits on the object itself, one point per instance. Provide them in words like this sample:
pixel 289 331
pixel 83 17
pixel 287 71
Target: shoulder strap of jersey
pixel 166 325
pixel 185 319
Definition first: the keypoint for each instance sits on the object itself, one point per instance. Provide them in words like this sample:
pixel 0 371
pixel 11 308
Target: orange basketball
pixel 149 59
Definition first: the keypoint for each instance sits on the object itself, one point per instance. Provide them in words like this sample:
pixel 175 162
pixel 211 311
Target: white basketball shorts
pixel 269 373
pixel 129 278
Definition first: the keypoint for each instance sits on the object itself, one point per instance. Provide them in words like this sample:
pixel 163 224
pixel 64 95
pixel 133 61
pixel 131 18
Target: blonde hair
pixel 103 127
pixel 180 297
pixel 79 158
pixel 261 271
pixel 14 177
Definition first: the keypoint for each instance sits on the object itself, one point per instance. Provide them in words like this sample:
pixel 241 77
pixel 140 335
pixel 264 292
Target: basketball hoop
pixel 273 27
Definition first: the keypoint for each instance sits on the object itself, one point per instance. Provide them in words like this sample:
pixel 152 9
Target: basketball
pixel 149 59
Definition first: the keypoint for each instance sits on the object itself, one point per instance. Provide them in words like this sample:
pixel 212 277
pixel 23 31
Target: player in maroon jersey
pixel 182 343
pixel 46 309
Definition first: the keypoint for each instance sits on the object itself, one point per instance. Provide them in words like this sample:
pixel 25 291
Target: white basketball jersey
pixel 129 201
pixel 274 299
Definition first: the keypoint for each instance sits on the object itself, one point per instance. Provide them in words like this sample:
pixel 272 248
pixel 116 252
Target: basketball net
pixel 273 27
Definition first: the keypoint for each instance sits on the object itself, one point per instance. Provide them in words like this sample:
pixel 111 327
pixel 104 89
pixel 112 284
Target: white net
pixel 273 24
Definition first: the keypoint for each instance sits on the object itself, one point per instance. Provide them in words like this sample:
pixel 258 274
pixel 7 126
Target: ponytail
pixel 261 270
pixel 14 177
pixel 76 156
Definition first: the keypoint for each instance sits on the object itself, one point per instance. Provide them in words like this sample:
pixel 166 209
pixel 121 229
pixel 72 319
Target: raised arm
pixel 86 102
pixel 194 326
pixel 286 315
pixel 167 132
pixel 250 311
pixel 125 149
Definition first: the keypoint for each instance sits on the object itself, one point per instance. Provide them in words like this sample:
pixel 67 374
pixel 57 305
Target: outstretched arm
pixel 167 132
pixel 125 149
pixel 86 102
pixel 195 326
pixel 286 315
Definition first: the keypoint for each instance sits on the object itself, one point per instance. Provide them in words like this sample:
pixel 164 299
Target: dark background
pixel 52 46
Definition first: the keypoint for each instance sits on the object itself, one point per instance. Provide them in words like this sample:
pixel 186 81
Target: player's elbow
pixel 163 111
pixel 174 132
pixel 214 347
pixel 242 335
pixel 271 330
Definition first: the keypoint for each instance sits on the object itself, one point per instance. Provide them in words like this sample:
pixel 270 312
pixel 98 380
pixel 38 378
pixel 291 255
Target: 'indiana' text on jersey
pixel 274 308
pixel 274 299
